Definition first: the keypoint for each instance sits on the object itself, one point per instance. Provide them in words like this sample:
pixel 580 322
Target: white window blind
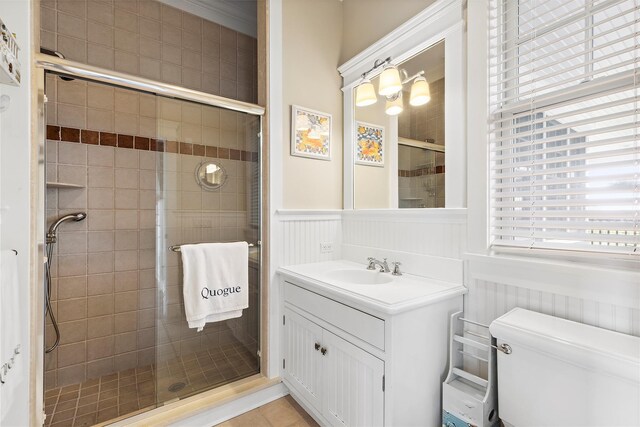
pixel 564 121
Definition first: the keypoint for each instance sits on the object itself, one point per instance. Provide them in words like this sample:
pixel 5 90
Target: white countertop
pixel 404 293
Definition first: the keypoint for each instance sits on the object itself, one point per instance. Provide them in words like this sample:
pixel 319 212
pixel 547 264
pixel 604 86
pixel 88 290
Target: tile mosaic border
pixel 420 172
pixel 92 137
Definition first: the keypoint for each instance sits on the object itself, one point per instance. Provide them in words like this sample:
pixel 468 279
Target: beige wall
pixel 318 36
pixel 312 38
pixel 367 21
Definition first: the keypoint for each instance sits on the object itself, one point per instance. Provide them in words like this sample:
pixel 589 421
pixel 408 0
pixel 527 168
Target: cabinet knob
pixel 317 346
pixel 323 351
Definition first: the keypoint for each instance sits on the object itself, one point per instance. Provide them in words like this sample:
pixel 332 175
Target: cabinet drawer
pixel 355 322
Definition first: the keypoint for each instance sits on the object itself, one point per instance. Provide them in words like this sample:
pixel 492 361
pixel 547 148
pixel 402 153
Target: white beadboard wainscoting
pixel 300 233
pixel 437 232
pixel 432 243
pixel 602 297
pixel 427 242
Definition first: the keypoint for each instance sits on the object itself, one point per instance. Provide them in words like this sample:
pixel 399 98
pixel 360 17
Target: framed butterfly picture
pixel 310 133
pixel 369 144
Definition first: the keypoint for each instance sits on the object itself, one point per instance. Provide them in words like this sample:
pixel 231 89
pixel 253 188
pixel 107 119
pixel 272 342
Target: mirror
pixel 399 141
pixel 411 143
pixel 210 176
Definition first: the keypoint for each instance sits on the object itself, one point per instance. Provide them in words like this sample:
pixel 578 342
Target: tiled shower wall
pixel 103 269
pixel 153 40
pixel 100 108
pixel 420 180
pixel 129 151
pixel 105 286
pixel 421 172
pixel 427 121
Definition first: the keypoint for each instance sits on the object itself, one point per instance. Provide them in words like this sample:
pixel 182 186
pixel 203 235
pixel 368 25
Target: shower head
pixel 80 216
pixel 51 235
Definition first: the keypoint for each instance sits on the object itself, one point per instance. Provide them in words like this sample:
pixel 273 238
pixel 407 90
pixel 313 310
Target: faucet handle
pixel 396 268
pixel 372 265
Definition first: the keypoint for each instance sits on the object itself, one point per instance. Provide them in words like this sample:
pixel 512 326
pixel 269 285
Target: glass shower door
pixel 207 190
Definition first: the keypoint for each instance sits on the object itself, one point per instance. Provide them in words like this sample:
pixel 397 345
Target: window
pixel 564 120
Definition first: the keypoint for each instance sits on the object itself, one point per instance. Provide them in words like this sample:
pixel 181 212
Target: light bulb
pixel 365 94
pixel 420 93
pixel 395 106
pixel 390 82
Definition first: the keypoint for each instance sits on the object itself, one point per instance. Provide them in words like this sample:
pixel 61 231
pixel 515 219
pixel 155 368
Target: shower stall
pixel 133 168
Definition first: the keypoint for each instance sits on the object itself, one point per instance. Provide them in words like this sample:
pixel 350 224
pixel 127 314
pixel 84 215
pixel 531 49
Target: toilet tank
pixel 564 373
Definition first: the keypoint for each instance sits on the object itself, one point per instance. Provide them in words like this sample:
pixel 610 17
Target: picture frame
pixel 369 146
pixel 310 133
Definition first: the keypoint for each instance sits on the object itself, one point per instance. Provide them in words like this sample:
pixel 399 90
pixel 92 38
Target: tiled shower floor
pixel 127 392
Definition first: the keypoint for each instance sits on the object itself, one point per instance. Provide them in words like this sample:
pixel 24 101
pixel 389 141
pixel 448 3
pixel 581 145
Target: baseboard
pixel 224 412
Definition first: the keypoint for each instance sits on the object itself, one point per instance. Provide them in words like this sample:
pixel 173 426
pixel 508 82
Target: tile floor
pixel 284 412
pixel 133 390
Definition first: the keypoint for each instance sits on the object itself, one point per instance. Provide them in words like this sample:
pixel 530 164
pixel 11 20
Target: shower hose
pixel 47 297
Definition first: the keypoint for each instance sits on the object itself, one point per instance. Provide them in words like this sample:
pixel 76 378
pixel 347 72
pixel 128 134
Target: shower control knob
pixel 323 351
pixel 317 346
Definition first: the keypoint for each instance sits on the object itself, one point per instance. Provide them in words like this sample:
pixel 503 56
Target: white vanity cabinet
pixel 353 361
pixel 340 380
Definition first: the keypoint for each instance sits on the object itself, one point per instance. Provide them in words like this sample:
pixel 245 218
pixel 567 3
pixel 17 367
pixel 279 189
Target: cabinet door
pixel 302 360
pixel 353 394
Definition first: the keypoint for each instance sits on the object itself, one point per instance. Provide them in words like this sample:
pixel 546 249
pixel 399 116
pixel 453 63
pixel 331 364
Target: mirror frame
pixel 442 21
pixel 203 183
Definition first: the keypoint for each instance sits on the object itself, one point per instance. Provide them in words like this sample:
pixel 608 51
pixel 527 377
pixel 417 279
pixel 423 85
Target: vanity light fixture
pixel 365 94
pixel 394 106
pixel 390 86
pixel 390 83
pixel 420 93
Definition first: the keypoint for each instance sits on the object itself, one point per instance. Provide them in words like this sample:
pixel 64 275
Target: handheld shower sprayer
pixel 51 239
pixel 52 234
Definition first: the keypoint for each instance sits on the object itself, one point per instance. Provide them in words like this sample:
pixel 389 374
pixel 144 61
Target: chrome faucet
pixel 384 267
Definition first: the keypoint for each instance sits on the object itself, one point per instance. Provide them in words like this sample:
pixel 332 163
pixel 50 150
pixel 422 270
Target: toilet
pixel 555 372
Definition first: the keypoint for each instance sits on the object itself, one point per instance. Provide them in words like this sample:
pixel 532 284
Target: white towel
pixel 215 281
pixel 9 330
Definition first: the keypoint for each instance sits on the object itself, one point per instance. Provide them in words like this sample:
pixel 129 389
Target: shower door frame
pixel 45 63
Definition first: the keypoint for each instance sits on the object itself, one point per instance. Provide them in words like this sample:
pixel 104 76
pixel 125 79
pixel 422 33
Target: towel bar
pixel 176 248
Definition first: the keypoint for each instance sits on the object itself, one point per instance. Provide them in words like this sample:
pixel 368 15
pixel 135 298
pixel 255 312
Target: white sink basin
pixel 360 277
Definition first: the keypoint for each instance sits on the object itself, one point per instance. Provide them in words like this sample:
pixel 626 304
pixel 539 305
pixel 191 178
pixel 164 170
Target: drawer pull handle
pixel 317 346
pixel 323 351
